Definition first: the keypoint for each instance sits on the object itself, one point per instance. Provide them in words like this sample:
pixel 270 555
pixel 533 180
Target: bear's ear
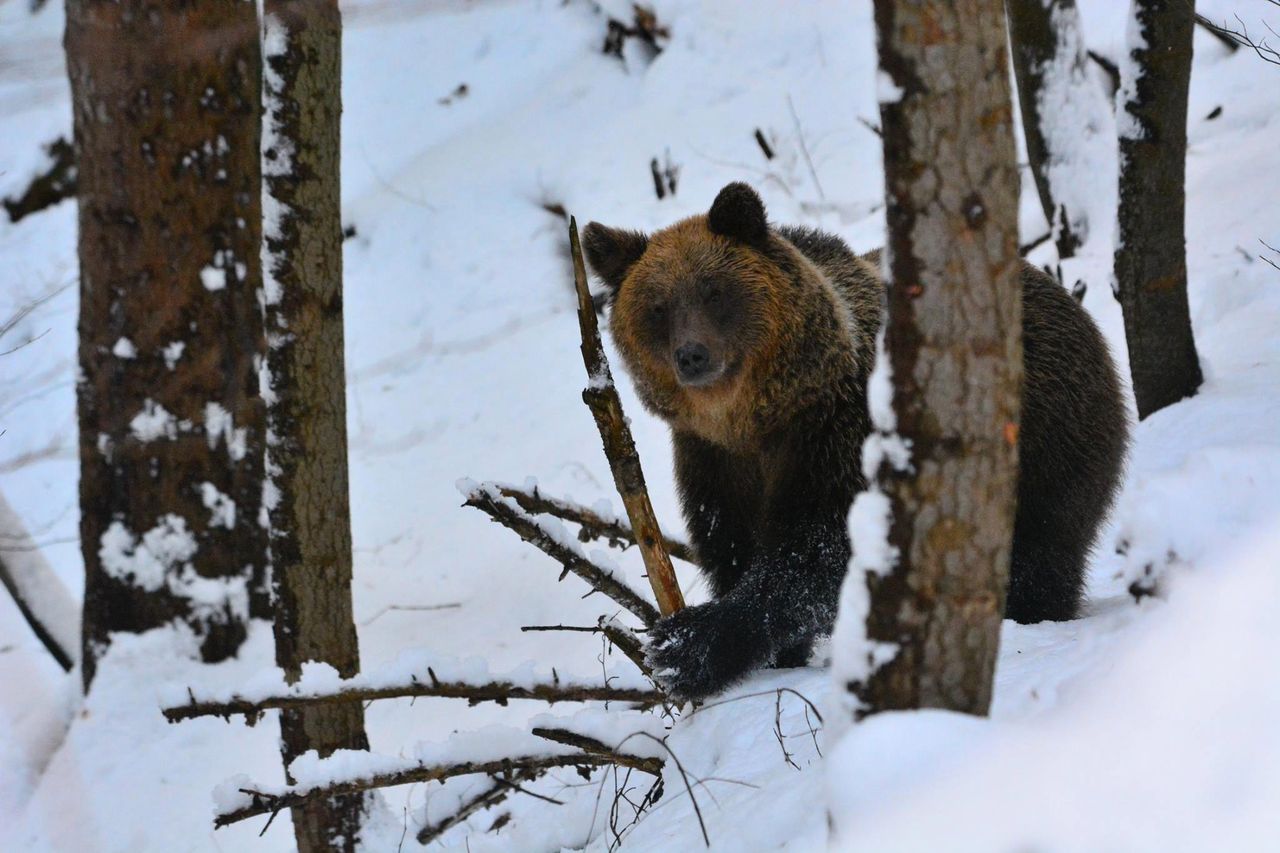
pixel 612 252
pixel 738 212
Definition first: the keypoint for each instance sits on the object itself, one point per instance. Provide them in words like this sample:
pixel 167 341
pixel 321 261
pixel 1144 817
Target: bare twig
pixel 593 525
pixel 804 149
pixel 1241 37
pixel 527 528
pixel 495 691
pixel 496 792
pixel 1217 32
pixel 684 776
pixel 602 398
pixel 625 640
pixel 1273 249
pixel 273 803
pixel 1026 248
pixel 416 608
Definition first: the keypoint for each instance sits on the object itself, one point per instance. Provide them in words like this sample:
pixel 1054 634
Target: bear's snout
pixel 694 364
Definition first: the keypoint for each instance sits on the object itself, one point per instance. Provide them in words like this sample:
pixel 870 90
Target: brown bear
pixel 755 343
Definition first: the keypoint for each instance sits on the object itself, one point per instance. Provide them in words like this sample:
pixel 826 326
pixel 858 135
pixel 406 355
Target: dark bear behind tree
pixel 755 345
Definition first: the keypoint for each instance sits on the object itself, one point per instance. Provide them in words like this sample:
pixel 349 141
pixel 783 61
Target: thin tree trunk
pixel 167 126
pixel 307 445
pixel 1151 258
pixel 954 344
pixel 42 598
pixel 1064 117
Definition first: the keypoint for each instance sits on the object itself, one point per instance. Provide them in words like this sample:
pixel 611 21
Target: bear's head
pixel 699 309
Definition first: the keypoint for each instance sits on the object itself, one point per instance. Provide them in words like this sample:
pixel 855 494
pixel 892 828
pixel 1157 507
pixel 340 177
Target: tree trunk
pixel 307 445
pixel 1151 258
pixel 167 127
pixel 1064 117
pixel 954 343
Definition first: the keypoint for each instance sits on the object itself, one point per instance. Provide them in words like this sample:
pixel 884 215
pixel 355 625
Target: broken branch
pixel 606 407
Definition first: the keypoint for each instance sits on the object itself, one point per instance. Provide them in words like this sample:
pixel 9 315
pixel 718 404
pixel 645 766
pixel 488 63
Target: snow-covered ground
pixel 1142 726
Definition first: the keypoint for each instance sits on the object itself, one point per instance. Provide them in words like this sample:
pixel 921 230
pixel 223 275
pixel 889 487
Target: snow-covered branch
pixel 493 750
pixel 42 599
pixel 412 676
pixel 594 523
pixel 554 540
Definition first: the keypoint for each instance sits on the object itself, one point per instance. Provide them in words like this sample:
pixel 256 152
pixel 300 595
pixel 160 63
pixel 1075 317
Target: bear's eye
pixel 658 312
pixel 713 294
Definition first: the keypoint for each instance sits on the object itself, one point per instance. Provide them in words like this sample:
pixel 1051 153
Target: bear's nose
pixel 692 361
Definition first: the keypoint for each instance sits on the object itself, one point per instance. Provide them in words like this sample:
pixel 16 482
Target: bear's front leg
pixel 787 597
pixel 703 649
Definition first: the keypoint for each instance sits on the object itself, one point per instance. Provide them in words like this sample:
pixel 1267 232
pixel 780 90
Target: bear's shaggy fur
pixel 754 343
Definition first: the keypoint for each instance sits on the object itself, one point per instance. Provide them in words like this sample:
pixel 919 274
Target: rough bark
pixel 953 339
pixel 602 398
pixel 1050 62
pixel 1151 257
pixel 167 126
pixel 310 520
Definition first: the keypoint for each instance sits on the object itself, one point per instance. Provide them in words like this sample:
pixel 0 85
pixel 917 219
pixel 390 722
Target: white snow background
pixel 1141 726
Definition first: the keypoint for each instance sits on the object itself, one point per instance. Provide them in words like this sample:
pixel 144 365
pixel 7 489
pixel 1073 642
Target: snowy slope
pixel 1121 730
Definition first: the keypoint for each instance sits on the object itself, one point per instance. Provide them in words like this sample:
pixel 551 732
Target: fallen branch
pixel 497 691
pixel 602 398
pixel 591 746
pixel 505 511
pixel 266 802
pixel 615 531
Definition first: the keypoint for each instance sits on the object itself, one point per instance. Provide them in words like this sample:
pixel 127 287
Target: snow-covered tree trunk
pixel 1065 120
pixel 1151 256
pixel 932 538
pixel 167 128
pixel 305 382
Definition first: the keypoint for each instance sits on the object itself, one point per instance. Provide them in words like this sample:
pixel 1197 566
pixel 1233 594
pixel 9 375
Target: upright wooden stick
pixel 602 398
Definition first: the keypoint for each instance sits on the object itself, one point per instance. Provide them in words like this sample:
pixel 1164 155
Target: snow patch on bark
pixel 124 348
pixel 219 424
pixel 146 562
pixel 222 509
pixel 172 353
pixel 155 422
pixel 856 656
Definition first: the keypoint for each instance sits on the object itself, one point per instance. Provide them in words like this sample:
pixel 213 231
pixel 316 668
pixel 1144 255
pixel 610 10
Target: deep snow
pixel 1140 726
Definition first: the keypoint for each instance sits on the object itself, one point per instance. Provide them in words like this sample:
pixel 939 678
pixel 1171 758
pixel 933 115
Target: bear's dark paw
pixel 702 650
